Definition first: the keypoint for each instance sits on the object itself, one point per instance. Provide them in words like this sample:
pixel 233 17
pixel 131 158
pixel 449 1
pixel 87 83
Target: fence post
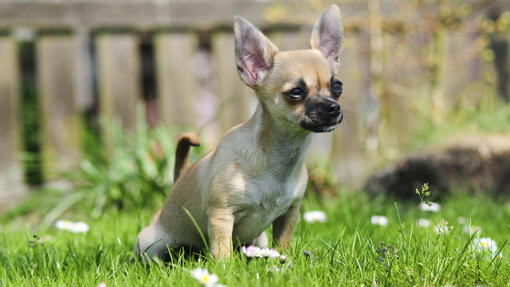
pixel 11 176
pixel 118 76
pixel 176 83
pixel 30 120
pixel 61 130
pixel 237 101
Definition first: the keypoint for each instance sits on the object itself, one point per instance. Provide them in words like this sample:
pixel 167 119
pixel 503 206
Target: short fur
pixel 256 175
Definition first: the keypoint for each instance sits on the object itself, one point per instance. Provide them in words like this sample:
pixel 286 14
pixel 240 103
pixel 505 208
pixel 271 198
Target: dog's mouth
pixel 318 126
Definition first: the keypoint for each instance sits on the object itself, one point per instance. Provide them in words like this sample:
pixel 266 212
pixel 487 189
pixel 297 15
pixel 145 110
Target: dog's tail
pixel 182 152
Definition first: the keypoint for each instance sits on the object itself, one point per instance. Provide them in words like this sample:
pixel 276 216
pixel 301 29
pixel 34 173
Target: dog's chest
pixel 265 200
pixel 271 195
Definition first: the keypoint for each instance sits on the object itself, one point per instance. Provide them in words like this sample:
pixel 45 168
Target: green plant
pixel 136 170
pixel 423 193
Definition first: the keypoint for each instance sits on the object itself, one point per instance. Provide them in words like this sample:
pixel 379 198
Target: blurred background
pixel 93 93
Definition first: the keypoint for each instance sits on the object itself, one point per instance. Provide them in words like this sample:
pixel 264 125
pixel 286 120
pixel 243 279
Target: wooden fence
pixel 113 55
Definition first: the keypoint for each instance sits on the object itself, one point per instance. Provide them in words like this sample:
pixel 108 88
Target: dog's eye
pixel 296 94
pixel 336 87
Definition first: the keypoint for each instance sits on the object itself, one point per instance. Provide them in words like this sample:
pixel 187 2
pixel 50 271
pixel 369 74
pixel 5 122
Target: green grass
pixel 343 250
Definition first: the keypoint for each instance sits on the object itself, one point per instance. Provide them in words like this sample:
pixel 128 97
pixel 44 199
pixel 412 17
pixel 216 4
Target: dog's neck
pixel 283 144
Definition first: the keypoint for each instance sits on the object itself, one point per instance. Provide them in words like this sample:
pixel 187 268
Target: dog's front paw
pixel 220 253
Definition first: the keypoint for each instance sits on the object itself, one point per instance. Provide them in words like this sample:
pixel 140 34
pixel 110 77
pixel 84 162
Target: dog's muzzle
pixel 322 117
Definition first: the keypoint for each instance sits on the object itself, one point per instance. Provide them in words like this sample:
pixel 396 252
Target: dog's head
pixel 296 86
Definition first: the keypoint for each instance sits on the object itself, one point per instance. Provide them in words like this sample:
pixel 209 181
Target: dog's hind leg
pixel 151 243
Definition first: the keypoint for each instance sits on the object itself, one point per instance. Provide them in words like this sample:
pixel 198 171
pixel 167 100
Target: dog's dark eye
pixel 296 94
pixel 336 87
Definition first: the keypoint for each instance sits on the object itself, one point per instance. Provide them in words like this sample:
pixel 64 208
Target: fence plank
pixel 347 143
pixel 402 70
pixel 461 76
pixel 119 80
pixel 8 103
pixel 175 79
pixel 237 101
pixel 83 70
pixel 60 118
pixel 291 39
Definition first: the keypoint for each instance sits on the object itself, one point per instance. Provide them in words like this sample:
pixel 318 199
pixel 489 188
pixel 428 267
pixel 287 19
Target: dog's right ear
pixel 254 52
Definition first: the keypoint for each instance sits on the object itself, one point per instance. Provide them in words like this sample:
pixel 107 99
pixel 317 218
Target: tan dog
pixel 256 176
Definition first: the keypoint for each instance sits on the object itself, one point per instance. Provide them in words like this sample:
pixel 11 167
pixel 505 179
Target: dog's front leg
pixel 219 229
pixel 284 225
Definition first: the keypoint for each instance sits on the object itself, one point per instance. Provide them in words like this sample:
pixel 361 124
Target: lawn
pixel 344 250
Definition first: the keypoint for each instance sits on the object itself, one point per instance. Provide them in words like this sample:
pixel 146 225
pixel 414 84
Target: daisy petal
pixel 430 206
pixel 314 216
pixel 379 220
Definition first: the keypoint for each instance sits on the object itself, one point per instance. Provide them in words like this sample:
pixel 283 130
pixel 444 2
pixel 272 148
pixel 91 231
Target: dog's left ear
pixel 254 52
pixel 327 34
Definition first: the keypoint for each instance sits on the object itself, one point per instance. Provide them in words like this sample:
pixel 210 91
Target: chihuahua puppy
pixel 256 176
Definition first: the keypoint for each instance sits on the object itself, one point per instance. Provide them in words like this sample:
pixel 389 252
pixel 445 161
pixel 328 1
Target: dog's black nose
pixel 333 109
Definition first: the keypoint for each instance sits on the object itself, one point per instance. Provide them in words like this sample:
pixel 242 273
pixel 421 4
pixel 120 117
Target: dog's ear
pixel 254 52
pixel 328 33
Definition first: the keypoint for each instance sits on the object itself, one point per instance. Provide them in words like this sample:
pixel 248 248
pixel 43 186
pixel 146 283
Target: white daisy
pixel 64 224
pixel 442 227
pixel 430 206
pixel 203 276
pixel 487 248
pixel 76 227
pixel 422 222
pixel 485 244
pixel 251 251
pixel 254 251
pixel 271 253
pixel 314 216
pixel 379 220
pixel 80 227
